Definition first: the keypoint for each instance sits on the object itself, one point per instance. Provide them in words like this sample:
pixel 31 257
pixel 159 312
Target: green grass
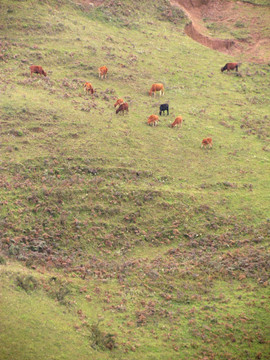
pixel 109 226
pixel 198 319
pixel 256 2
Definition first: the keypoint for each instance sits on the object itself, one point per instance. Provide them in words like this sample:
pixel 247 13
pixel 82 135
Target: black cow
pixel 163 108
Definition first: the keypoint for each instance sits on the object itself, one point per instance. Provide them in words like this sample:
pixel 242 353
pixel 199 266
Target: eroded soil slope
pixel 237 28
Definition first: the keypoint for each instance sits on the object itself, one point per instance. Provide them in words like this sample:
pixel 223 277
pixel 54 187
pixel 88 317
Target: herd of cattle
pixel 122 106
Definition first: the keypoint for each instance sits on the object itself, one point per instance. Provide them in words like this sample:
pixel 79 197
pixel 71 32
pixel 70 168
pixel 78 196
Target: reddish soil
pixel 216 44
pixel 223 12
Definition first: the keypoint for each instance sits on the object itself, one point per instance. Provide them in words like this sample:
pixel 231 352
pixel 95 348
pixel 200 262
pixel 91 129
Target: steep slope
pixel 120 240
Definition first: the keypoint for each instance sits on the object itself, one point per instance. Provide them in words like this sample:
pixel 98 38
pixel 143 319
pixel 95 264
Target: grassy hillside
pixel 120 240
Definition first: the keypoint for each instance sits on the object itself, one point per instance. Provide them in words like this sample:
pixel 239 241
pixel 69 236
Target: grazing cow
pixel 230 66
pixel 118 102
pixel 88 88
pixel 177 121
pixel 153 120
pixel 37 70
pixel 157 87
pixel 207 141
pixel 102 71
pixel 163 108
pixel 122 108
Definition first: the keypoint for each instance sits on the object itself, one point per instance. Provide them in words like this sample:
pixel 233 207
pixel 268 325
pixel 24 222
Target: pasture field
pixel 120 240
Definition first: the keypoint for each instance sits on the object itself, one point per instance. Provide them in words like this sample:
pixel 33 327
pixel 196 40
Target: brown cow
pixel 37 70
pixel 230 66
pixel 102 71
pixel 118 102
pixel 177 121
pixel 207 141
pixel 88 88
pixel 153 120
pixel 122 108
pixel 157 87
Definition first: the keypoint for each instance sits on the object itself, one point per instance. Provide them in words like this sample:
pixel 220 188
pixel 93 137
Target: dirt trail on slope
pixel 195 30
pixel 224 13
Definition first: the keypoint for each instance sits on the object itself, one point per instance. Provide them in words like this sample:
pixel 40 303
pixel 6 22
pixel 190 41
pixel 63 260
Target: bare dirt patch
pixel 253 41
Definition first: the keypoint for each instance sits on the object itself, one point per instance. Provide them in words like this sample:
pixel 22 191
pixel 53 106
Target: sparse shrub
pixel 241 35
pixel 172 14
pixel 101 339
pixel 27 282
pixel 2 260
pixel 59 290
pixel 29 262
pixel 16 132
pixel 13 250
pixel 211 26
pixel 239 24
